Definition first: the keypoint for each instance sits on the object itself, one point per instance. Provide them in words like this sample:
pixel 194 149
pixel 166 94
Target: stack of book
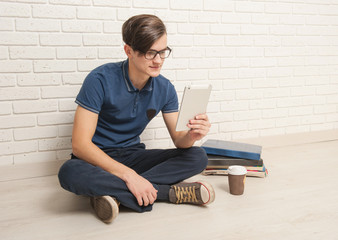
pixel 222 154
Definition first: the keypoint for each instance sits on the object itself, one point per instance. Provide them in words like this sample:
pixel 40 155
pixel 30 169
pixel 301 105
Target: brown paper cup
pixel 236 184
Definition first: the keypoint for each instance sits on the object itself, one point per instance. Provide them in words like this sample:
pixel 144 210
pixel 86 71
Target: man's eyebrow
pixel 158 50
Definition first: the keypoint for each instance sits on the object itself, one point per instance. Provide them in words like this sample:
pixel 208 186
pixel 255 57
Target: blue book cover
pixel 232 149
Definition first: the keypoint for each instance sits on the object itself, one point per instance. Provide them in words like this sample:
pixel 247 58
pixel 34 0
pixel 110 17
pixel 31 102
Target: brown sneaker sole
pixel 105 207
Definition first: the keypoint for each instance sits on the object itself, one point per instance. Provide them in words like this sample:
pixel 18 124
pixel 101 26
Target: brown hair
pixel 142 31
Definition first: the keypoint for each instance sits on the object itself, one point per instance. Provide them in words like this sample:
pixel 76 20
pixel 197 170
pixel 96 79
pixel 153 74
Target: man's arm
pixel 85 123
pixel 199 127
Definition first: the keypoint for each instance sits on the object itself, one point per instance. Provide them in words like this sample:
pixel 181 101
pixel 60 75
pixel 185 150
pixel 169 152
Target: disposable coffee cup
pixel 236 179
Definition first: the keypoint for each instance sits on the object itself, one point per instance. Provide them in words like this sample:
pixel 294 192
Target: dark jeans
pixel 158 166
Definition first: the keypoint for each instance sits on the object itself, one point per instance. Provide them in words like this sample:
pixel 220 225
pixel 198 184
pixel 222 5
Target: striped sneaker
pixel 105 207
pixel 199 193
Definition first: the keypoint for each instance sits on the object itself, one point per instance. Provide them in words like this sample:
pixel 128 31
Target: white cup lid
pixel 237 170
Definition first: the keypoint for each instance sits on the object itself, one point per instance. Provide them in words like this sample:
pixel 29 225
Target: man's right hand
pixel 141 188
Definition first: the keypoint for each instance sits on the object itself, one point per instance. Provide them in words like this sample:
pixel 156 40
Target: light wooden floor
pixel 299 200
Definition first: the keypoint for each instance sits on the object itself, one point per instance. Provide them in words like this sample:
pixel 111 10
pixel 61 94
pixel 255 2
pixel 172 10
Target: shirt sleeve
pixel 171 104
pixel 91 94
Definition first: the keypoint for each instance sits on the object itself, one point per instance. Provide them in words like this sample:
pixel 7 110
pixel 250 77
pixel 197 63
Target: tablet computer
pixel 195 100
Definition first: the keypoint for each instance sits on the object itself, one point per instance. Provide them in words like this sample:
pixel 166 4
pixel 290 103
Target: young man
pixel 115 104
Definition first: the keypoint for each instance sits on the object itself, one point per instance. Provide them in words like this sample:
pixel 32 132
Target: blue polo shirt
pixel 124 111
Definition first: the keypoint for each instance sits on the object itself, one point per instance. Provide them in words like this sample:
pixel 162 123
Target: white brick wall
pixel 273 66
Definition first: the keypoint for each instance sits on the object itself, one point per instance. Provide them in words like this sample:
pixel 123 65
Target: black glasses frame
pixel 159 53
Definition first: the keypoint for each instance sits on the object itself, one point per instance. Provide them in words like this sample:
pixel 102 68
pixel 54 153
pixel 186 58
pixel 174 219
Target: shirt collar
pixel 129 84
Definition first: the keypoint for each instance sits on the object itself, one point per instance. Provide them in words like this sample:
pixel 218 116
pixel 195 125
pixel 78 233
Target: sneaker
pixel 105 207
pixel 199 193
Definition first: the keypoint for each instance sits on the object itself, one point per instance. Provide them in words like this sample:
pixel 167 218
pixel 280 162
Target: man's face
pixel 148 68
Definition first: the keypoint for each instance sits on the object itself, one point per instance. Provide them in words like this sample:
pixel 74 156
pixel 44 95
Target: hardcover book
pixel 232 149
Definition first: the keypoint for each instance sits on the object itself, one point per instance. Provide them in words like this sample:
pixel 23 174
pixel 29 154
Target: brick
pixel 63 154
pixel 233 126
pixel 7 80
pixel 73 78
pixel 82 26
pixel 53 39
pixel 261 124
pixel 250 52
pixel 283 30
pixel 192 74
pixel 208 40
pixel 124 13
pixel 223 73
pixel 224 29
pixel 315 100
pixel 282 8
pixel 6 24
pixel 76 53
pixel 50 66
pixel 216 5
pixel 249 7
pixel 234 106
pixel 35 133
pixel 44 79
pixel 204 17
pixel 275 113
pixel 35 106
pixel 148 134
pixel 254 30
pixel 263 62
pixel 263 104
pixel 265 83
pixel 180 40
pixel 5 108
pixel 31 53
pixel 272 132
pixel 269 19
pixel 67 105
pixel 112 27
pixel 102 40
pixel 6 135
pixel 161 133
pixel 208 63
pixel 19 93
pixel 244 94
pixel 20 66
pixel 109 52
pixel 252 73
pixel 17 121
pixel 237 84
pixel 276 92
pixel 55 118
pixel 236 18
pixel 18 147
pixel 190 28
pixel 37 25
pixel 186 5
pixel 16 38
pixel 14 10
pixel 235 62
pixel 60 92
pixel 172 16
pixel 109 3
pixel 279 72
pixel 176 64
pixel 87 66
pixel 290 121
pixel 305 9
pixel 239 40
pixel 71 2
pixel 6 160
pixel 35 157
pixel 55 144
pixel 53 11
pixel 150 4
pixel 65 130
pixel 96 13
pixel 188 52
pixel 300 111
pixel 222 95
pixel 292 20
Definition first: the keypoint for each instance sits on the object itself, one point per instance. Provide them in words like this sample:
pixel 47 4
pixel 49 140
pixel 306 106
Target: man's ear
pixel 127 50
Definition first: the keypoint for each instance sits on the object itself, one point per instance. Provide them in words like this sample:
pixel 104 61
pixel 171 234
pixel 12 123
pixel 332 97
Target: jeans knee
pixel 200 157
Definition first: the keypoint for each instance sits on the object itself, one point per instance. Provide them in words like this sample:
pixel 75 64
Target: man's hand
pixel 199 127
pixel 141 188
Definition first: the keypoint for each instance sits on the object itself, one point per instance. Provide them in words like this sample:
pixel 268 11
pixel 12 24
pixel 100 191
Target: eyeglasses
pixel 151 54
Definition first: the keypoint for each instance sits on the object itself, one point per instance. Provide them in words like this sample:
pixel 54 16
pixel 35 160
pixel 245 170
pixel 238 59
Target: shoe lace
pixel 185 194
